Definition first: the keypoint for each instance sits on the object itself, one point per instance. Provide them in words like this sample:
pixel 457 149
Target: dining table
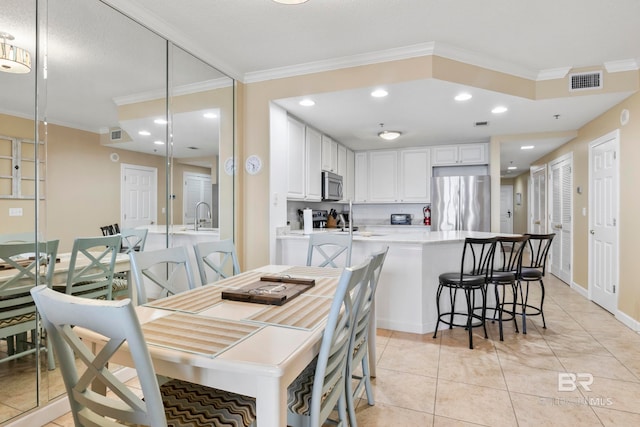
pixel 254 349
pixel 62 267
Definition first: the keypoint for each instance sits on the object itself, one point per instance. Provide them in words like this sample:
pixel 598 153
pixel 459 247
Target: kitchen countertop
pixel 180 229
pixel 405 236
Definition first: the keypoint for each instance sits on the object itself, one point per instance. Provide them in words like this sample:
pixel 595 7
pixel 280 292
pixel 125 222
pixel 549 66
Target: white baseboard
pixel 627 320
pixel 57 408
pixel 579 289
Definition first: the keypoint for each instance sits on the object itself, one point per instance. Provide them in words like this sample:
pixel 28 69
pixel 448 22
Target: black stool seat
pixel 475 270
pixel 453 279
pixel 529 273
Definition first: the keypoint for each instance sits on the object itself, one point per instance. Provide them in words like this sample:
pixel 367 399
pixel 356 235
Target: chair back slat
pixel 62 316
pixel 133 239
pixel 216 260
pixel 511 251
pixel 330 247
pixel 97 255
pixel 168 269
pixel 477 257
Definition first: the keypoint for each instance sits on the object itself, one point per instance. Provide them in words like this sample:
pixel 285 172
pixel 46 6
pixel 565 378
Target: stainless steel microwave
pixel 331 186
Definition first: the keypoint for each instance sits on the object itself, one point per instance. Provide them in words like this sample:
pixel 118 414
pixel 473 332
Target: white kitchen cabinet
pixel 329 154
pixel 313 150
pixel 361 173
pixel 414 175
pixel 383 176
pixel 460 154
pixel 297 159
pixel 349 178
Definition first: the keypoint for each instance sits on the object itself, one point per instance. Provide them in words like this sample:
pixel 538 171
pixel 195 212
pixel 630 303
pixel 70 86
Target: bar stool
pixel 476 268
pixel 505 276
pixel 539 245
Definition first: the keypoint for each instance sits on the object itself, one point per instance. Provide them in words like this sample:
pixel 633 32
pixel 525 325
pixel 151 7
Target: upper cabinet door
pixel 314 169
pixel 383 176
pixel 329 154
pixel 361 181
pixel 463 154
pixel 296 161
pixel 415 175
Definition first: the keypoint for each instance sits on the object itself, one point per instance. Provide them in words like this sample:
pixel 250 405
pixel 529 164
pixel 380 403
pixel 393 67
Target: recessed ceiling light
pixel 389 135
pixel 210 115
pixel 499 110
pixel 379 93
pixel 160 121
pixel 307 102
pixel 512 168
pixel 290 1
pixel 158 142
pixel 464 96
pixel 144 133
pixel 527 147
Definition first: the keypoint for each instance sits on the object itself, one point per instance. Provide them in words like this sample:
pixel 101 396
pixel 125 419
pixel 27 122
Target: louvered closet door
pixel 561 221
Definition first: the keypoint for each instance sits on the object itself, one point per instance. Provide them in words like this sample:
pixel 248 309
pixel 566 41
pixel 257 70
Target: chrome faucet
pixel 196 226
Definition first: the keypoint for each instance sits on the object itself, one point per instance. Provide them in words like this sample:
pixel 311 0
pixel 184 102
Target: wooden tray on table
pixel 271 290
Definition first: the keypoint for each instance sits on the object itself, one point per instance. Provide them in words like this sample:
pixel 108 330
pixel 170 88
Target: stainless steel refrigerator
pixel 461 203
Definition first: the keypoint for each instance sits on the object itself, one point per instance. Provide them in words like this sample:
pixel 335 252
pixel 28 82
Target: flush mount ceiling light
pixel 463 96
pixel 389 135
pixel 12 58
pixel 499 110
pixel 379 93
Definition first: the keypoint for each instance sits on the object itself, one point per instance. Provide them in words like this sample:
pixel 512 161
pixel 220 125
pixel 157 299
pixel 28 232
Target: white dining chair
pixel 359 342
pixel 133 239
pixel 314 394
pixel 168 269
pixel 175 403
pixel 91 267
pixel 332 250
pixel 17 309
pixel 215 260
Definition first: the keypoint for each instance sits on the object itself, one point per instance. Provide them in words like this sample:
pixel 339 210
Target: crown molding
pixel 176 91
pixel 553 73
pixel 622 65
pixel 412 51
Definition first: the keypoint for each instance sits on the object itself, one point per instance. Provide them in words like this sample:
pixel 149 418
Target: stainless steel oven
pixel 331 186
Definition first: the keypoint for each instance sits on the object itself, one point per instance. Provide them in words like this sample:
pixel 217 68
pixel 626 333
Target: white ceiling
pixel 253 40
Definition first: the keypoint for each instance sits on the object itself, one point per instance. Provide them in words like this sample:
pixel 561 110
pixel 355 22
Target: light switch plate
pixel 15 211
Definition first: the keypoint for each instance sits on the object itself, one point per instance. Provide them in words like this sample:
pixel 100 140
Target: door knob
pixel 592 232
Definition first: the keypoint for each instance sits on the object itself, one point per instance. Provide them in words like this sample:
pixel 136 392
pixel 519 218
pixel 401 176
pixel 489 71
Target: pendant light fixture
pixel 388 135
pixel 12 58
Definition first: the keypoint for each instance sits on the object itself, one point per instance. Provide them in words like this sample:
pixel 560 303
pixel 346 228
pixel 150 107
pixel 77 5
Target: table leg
pixel 271 403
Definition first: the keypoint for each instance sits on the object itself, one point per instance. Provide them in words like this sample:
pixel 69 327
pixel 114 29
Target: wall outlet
pixel 15 211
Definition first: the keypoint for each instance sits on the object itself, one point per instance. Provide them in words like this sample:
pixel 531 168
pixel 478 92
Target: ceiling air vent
pixel 583 81
pixel 476 124
pixel 115 134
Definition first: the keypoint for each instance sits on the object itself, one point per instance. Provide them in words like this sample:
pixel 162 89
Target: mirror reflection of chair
pixel 504 278
pixel 216 258
pixel 313 395
pixel 17 309
pixel 169 269
pixel 173 403
pixel 330 248
pixel 475 270
pixel 133 239
pixel 533 271
pixel 91 267
pixel 25 237
pixel 364 326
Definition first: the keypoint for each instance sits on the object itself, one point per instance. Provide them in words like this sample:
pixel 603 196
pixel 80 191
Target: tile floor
pixel 423 381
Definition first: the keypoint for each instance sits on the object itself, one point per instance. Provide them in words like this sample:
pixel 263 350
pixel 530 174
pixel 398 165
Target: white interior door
pixel 138 196
pixel 603 219
pixel 560 217
pixel 506 208
pixel 538 201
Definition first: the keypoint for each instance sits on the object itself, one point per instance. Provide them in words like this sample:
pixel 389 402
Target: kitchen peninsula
pixel 406 295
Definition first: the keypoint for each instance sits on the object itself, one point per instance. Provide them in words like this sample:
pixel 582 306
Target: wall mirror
pixel 131 129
